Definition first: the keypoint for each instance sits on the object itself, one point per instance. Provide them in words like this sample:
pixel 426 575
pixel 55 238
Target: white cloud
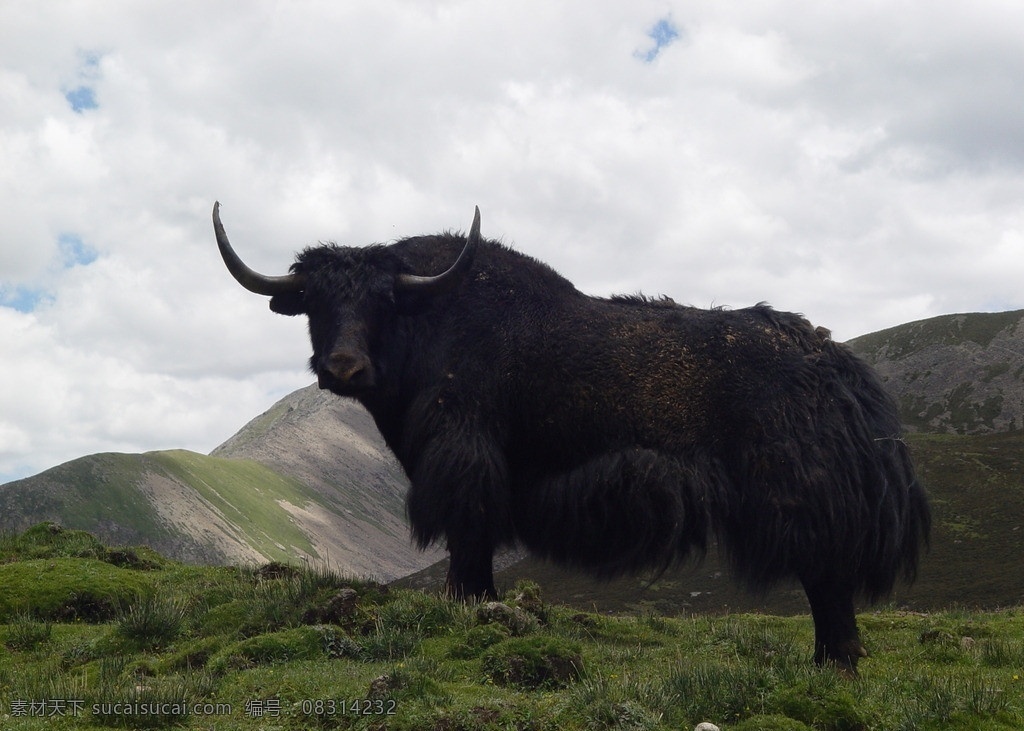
pixel 858 162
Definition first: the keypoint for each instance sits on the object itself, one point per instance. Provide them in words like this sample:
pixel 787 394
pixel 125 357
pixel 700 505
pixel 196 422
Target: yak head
pixel 351 297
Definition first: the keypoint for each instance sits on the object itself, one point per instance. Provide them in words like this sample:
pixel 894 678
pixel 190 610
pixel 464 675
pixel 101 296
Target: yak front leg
pixel 836 639
pixel 470 570
pixel 460 491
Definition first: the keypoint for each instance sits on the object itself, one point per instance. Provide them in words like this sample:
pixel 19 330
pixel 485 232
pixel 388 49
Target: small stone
pixel 706 726
pixel 381 687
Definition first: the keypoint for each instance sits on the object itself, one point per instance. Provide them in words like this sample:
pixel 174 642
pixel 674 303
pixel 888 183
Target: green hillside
pixel 237 506
pixel 900 341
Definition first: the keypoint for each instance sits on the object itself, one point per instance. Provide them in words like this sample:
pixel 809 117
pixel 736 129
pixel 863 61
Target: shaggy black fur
pixel 619 434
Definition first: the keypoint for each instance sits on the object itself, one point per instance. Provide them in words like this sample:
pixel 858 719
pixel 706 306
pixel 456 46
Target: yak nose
pixel 346 369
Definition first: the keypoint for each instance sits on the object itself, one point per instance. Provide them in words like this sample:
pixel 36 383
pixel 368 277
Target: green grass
pixel 67 588
pixel 287 648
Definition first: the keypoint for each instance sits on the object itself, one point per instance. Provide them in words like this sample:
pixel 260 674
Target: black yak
pixel 613 435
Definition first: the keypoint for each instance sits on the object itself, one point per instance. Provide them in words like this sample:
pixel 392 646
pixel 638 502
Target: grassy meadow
pixel 97 637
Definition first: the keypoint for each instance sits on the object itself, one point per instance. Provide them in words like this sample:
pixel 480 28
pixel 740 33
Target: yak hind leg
pixel 470 571
pixel 836 639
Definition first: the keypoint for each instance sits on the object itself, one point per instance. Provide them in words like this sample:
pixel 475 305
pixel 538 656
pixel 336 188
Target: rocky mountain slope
pixel 961 374
pixel 332 446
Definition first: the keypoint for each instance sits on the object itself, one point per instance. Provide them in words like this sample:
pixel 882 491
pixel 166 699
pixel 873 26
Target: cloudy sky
pixel 862 163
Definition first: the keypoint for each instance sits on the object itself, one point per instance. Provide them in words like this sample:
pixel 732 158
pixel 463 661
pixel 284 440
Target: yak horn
pixel 252 281
pixel 445 281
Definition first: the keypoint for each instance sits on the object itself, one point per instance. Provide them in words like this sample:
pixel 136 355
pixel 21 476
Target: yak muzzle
pixel 346 372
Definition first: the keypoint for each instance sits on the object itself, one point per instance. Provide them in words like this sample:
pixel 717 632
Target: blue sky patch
pixel 71 252
pixel 24 299
pixel 75 252
pixel 81 99
pixel 663 33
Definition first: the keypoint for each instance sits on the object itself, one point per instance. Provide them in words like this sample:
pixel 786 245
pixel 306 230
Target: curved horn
pixel 445 281
pixel 252 281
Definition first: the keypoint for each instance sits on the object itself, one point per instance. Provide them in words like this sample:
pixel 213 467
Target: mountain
pixel 332 445
pixel 309 479
pixel 961 374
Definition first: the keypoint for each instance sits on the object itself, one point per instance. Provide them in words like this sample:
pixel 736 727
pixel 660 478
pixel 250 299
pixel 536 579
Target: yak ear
pixel 291 303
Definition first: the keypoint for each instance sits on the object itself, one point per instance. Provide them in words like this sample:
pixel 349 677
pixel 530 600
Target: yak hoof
pixel 844 659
